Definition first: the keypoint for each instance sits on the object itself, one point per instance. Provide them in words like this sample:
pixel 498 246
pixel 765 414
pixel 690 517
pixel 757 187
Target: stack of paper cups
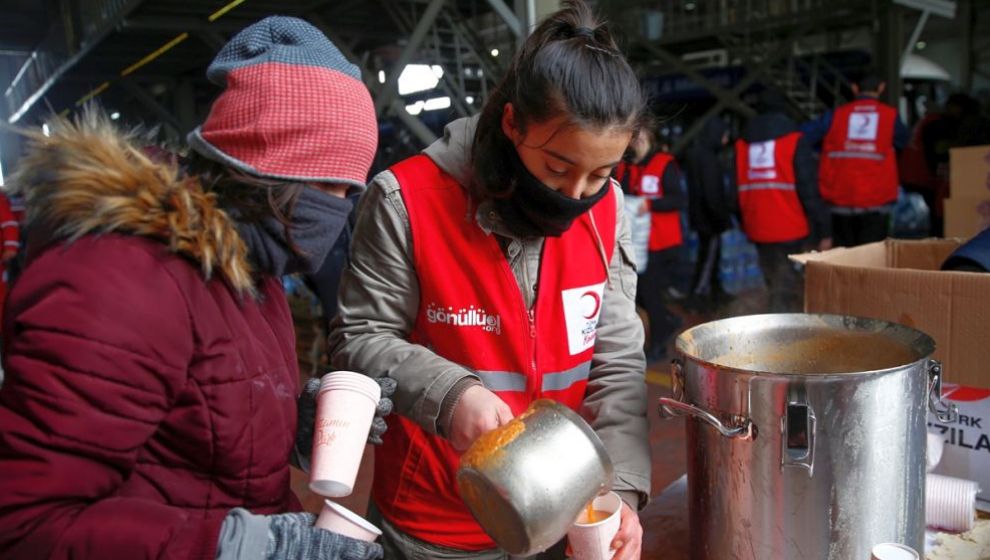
pixel 950 503
pixel 345 407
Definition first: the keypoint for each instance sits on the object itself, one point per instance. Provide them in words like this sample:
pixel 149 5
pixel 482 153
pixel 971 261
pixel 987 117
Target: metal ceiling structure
pixel 145 59
pixel 778 44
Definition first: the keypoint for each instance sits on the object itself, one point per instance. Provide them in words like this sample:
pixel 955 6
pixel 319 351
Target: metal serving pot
pixel 805 435
pixel 526 482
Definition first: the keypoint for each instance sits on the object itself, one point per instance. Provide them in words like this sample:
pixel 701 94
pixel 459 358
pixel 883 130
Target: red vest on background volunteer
pixel 768 200
pixel 647 181
pixel 858 165
pixel 472 313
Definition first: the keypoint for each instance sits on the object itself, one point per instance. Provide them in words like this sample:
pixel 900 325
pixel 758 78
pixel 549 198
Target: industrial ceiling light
pixel 45 130
pixel 921 45
pixel 690 6
pixel 419 77
pixel 416 108
pixel 494 52
pixel 114 115
pixel 436 103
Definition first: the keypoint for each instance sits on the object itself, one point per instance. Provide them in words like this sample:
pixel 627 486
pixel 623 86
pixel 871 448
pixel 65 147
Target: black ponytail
pixel 570 65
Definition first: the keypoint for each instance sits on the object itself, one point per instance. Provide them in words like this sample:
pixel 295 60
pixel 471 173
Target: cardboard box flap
pixel 871 255
pixel 893 253
pixel 921 255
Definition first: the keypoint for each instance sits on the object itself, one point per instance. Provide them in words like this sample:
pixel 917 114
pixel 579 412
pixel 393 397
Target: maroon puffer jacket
pixel 142 402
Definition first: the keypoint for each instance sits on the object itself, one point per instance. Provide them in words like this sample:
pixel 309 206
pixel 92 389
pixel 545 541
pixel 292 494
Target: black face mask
pixel 536 210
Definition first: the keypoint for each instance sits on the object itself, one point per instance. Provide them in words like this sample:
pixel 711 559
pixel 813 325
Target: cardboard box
pixel 969 172
pixel 965 216
pixel 900 281
pixel 966 453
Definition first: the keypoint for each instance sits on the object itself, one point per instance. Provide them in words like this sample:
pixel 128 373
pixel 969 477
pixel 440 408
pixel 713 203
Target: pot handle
pixel 671 407
pixel 944 412
pixel 797 442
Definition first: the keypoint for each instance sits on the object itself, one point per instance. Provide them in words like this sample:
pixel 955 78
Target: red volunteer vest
pixel 768 200
pixel 859 167
pixel 472 313
pixel 647 181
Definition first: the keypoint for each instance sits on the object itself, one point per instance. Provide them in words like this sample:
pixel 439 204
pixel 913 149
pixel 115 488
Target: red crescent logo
pixel 597 303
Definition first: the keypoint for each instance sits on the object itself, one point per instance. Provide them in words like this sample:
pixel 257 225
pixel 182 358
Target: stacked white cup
pixel 345 408
pixel 950 503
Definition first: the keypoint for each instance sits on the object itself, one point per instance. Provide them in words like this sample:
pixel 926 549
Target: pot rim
pixel 923 344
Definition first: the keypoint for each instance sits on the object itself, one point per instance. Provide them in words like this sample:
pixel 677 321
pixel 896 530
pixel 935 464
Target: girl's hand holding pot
pixel 477 411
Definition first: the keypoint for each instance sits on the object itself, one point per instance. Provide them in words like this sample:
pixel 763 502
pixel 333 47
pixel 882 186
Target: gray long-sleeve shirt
pixel 379 300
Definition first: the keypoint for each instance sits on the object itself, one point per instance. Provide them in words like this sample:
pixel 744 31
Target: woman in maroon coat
pixel 149 409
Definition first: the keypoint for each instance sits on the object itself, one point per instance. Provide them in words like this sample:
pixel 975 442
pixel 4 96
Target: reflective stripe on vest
pixel 499 381
pixel 472 313
pixel 858 167
pixel 767 186
pixel 771 210
pixel 855 155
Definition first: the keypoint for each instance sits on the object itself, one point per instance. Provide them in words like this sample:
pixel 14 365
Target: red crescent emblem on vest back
pixel 864 124
pixel 596 303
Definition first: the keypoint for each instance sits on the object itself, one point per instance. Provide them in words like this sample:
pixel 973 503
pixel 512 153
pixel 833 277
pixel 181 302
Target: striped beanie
pixel 292 107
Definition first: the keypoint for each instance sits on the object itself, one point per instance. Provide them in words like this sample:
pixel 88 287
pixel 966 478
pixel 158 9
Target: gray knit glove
pixel 306 410
pixel 291 536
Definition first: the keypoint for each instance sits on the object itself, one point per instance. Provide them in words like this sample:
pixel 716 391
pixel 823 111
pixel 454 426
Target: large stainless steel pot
pixel 805 435
pixel 527 481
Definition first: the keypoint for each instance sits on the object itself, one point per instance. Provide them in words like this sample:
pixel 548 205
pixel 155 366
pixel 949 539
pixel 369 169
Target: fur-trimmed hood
pixel 88 177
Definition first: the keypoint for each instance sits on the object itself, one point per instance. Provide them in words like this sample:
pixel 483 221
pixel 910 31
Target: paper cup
pixel 345 408
pixel 950 503
pixel 335 517
pixel 592 541
pixel 893 551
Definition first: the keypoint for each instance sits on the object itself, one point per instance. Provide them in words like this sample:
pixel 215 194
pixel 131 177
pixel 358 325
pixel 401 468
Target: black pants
pixel 661 266
pixel 783 280
pixel 850 230
pixel 706 288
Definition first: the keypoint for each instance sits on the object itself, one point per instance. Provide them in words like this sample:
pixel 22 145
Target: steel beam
pixel 465 40
pixel 915 35
pixel 88 45
pixel 721 94
pixel 508 16
pixel 889 49
pixel 178 24
pixel 150 103
pixel 943 8
pixel 754 74
pixel 184 100
pixel 414 125
pixel 212 39
pixel 391 88
pixel 968 19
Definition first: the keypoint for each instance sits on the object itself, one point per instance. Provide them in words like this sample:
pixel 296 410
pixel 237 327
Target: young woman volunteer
pixel 149 409
pixel 494 269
